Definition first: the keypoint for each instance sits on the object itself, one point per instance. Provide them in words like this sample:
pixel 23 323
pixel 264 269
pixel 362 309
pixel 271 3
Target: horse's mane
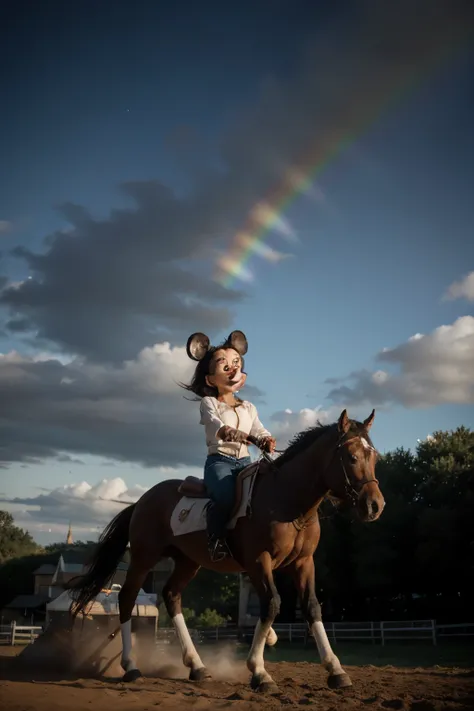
pixel 306 438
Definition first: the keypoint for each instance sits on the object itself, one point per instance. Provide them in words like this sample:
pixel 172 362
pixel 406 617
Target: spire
pixel 69 540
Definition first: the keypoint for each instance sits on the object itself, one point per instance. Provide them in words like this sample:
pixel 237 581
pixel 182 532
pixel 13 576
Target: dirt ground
pixel 39 684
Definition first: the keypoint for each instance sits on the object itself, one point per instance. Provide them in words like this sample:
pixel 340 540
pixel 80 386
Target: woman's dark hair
pixel 198 384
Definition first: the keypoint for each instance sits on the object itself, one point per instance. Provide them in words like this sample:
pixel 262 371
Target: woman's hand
pixel 268 444
pixel 230 434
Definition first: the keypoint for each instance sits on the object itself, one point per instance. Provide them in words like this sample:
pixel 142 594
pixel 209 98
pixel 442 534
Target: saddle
pixel 194 487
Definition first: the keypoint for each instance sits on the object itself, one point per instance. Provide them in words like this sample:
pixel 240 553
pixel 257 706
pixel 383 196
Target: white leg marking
pixel 255 661
pixel 328 658
pixel 127 662
pixel 190 656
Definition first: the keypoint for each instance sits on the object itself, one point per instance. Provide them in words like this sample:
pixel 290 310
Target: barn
pixel 104 611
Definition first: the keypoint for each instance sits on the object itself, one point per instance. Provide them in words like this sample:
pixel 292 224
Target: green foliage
pixel 76 546
pixel 213 590
pixel 14 541
pixel 164 620
pixel 210 618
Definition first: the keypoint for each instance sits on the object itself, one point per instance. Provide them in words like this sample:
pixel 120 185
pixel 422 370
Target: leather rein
pixel 350 490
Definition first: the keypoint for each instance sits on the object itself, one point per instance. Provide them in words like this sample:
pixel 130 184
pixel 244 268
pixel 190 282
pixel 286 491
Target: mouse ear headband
pixel 199 344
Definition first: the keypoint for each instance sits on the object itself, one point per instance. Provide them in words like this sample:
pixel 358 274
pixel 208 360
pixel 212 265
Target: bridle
pixel 350 490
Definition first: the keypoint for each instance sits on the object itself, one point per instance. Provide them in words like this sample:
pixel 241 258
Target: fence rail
pixel 18 634
pixel 374 632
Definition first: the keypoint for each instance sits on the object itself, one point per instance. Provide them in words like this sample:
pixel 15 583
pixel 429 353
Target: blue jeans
pixel 220 472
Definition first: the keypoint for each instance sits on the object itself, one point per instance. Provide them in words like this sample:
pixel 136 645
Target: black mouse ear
pixel 238 341
pixel 197 346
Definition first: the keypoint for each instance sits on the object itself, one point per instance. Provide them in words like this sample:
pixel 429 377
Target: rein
pixel 350 490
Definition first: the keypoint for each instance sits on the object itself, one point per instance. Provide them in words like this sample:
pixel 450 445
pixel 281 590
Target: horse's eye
pixel 353 458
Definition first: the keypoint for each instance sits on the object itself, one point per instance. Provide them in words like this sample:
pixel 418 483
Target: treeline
pixel 416 561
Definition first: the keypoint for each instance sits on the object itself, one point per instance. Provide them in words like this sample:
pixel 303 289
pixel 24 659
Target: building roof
pixel 27 602
pixel 45 569
pixel 106 603
pixel 72 568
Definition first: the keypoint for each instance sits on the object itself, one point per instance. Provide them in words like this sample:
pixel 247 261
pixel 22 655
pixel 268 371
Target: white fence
pixel 18 634
pixel 374 632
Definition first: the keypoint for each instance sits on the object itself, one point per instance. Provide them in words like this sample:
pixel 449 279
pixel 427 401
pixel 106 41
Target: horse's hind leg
pixel 303 573
pixel 127 596
pixel 184 571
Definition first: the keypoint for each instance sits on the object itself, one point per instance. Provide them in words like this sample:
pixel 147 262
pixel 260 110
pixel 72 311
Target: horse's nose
pixel 373 508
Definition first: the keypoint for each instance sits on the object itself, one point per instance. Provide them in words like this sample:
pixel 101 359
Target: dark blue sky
pixel 215 102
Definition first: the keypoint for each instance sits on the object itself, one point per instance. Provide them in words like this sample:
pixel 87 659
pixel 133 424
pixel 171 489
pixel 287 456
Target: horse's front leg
pixel 303 572
pixel 184 571
pixel 263 582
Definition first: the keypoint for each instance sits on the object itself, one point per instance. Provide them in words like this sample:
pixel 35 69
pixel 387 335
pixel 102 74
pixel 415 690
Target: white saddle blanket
pixel 189 514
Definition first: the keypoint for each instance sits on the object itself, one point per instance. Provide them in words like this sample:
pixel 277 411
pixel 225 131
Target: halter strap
pixel 352 492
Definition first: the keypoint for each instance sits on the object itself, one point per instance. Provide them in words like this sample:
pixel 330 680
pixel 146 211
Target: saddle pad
pixel 189 514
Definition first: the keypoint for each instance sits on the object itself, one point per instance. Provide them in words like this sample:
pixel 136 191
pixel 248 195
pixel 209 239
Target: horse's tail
pixel 110 549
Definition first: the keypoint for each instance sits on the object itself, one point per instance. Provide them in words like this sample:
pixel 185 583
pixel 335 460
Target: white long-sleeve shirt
pixel 215 414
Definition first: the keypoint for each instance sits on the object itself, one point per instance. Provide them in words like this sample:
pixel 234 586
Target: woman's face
pixel 226 371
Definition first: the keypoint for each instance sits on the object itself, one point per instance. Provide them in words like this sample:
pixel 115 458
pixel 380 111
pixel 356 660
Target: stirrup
pixel 217 550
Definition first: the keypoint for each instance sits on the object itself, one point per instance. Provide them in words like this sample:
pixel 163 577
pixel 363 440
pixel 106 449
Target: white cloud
pixel 463 289
pixel 286 423
pixel 433 369
pixel 133 412
pixel 86 507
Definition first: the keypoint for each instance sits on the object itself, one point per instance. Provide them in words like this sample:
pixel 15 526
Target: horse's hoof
pixel 257 683
pixel 339 681
pixel 132 675
pixel 201 674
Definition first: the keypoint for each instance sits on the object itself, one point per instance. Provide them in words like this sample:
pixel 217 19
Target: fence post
pixel 290 635
pixel 13 632
pixel 372 634
pixel 433 631
pixel 382 634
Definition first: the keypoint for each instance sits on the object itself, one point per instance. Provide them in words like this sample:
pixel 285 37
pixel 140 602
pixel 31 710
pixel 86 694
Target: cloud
pixel 134 411
pixel 288 423
pixel 83 505
pixel 107 288
pixel 463 289
pixel 433 369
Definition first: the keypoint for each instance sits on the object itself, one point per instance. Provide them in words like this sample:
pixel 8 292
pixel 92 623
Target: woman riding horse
pixel 228 421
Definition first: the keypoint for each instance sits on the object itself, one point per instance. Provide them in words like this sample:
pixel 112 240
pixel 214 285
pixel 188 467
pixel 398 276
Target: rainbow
pixel 267 214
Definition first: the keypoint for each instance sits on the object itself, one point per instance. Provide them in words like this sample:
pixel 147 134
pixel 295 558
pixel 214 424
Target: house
pixel 49 578
pixel 25 610
pixel 104 611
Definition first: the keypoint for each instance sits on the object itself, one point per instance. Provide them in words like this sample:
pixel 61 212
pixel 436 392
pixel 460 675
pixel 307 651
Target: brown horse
pixel 282 531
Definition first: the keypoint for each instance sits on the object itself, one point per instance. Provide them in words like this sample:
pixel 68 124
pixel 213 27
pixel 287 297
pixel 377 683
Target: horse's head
pixel 351 473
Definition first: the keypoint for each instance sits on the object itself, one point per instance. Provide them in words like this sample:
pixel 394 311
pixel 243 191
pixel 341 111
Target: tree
pixel 14 541
pixel 214 591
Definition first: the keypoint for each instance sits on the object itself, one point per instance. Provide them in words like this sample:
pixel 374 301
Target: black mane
pixel 306 438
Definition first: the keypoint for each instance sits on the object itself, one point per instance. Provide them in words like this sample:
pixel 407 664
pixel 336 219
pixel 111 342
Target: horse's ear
pixel 343 422
pixel 238 342
pixel 369 421
pixel 197 346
